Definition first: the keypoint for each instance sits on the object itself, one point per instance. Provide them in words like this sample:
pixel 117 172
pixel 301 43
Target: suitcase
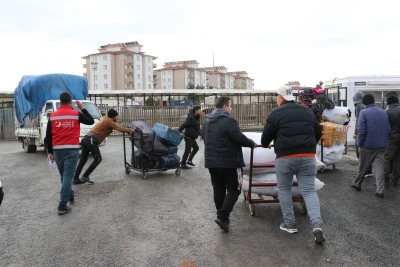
pixel 141 160
pixel 159 148
pixel 171 149
pixel 140 127
pixel 169 161
pixel 167 135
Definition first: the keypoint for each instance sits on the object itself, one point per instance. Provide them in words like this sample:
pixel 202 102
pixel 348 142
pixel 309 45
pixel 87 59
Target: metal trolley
pixel 142 162
pixel 251 201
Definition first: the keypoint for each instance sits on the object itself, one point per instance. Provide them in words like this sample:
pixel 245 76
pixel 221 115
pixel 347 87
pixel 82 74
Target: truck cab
pixel 33 134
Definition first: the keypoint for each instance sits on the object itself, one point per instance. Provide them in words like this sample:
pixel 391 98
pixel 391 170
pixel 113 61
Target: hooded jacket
pixel 223 141
pixel 373 128
pixel 191 125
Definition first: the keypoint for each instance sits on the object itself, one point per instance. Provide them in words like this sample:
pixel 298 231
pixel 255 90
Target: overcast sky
pixel 274 41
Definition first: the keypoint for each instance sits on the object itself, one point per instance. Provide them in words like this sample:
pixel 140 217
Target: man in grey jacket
pixel 223 142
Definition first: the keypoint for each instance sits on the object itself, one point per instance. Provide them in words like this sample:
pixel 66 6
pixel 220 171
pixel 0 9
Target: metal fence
pixel 251 117
pixel 7 123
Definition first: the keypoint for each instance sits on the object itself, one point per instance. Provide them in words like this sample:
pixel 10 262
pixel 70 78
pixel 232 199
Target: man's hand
pixel 79 104
pixel 50 157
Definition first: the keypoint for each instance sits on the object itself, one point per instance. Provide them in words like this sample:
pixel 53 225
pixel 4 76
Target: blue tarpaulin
pixel 32 92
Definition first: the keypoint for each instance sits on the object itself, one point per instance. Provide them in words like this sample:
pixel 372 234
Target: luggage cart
pixel 141 161
pixel 251 201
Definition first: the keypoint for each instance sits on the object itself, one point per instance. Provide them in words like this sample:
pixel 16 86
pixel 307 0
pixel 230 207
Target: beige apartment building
pixel 187 75
pixel 121 66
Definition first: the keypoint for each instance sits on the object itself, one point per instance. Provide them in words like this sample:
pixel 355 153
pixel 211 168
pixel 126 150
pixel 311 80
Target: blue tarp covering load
pixel 32 92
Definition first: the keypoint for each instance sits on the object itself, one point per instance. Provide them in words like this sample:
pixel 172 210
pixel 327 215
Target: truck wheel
pixel 28 148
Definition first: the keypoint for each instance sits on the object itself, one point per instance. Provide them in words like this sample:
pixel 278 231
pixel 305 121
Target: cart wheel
pixel 334 166
pixel 144 175
pixel 178 172
pixel 303 208
pixel 252 210
pixel 321 170
pixel 127 170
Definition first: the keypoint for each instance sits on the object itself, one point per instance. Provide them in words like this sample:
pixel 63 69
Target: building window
pixel 138 58
pixel 95 86
pixel 169 80
pixel 149 78
pixel 105 76
pixel 148 69
pixel 105 86
pixel 104 67
pixel 138 86
pixel 95 77
pixel 138 67
pixel 149 86
pixel 105 58
pixel 138 76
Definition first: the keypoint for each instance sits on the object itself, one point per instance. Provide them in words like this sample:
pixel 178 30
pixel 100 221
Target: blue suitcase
pixel 169 161
pixel 171 149
pixel 167 135
pixel 140 128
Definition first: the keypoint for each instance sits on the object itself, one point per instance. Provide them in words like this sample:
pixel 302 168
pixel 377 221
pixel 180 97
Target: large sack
pixel 264 156
pixel 340 115
pixel 332 155
pixel 272 190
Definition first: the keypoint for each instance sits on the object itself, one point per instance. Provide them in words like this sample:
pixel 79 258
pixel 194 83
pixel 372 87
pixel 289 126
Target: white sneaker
pixel 319 235
pixel 290 230
pixel 368 175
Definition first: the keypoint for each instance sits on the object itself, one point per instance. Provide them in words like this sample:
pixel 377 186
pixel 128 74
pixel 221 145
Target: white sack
pixel 273 190
pixel 340 115
pixel 332 155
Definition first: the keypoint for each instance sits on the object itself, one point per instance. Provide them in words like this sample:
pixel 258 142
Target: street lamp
pixel 94 68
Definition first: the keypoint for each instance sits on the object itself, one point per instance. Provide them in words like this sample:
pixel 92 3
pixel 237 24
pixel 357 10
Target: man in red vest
pixel 62 140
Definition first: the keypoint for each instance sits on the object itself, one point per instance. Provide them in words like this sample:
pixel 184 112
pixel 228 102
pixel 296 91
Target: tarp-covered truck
pixel 36 97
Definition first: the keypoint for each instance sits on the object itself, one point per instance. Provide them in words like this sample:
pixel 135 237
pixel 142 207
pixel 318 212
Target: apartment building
pixel 217 77
pixel 121 66
pixel 180 75
pixel 242 80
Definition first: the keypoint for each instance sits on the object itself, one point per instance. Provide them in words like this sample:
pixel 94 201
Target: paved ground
pixel 123 220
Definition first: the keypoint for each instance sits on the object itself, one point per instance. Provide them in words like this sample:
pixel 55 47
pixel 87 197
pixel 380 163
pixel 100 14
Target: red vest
pixel 65 128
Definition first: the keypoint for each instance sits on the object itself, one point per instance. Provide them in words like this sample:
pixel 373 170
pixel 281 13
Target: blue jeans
pixel 304 169
pixel 66 160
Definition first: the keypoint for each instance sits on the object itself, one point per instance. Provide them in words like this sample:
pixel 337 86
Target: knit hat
pixel 392 99
pixel 368 99
pixel 112 113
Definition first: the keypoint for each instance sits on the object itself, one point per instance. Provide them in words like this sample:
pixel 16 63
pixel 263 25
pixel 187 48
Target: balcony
pixel 129 80
pixel 128 71
pixel 128 61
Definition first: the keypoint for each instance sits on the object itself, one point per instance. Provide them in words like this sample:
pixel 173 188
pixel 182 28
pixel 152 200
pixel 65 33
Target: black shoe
pixel 355 187
pixel 190 163
pixel 319 236
pixel 87 180
pixel 380 195
pixel 223 225
pixel 62 209
pixel 184 166
pixel 78 181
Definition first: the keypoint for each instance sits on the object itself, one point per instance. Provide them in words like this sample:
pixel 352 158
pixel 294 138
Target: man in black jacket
pixel 295 131
pixel 191 128
pixel 223 143
pixel 392 153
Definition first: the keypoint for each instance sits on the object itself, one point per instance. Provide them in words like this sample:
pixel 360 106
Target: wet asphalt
pixel 168 220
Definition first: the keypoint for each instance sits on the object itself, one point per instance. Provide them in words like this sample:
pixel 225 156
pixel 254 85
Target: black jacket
pixel 393 113
pixel 191 125
pixel 223 141
pixel 293 128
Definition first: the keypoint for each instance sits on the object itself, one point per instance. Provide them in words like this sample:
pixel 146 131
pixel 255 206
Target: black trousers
pixel 1 195
pixel 88 145
pixel 226 192
pixel 191 148
pixel 391 159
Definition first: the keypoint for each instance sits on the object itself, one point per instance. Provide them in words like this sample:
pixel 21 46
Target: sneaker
pixel 78 181
pixel 380 195
pixel 62 209
pixel 184 166
pixel 190 163
pixel 87 180
pixel 355 187
pixel 222 224
pixel 368 175
pixel 289 229
pixel 319 235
